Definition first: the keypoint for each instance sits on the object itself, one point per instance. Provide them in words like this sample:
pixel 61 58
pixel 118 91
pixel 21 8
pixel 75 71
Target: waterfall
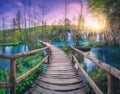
pixel 98 37
pixel 70 40
pixel 102 39
pixel 85 35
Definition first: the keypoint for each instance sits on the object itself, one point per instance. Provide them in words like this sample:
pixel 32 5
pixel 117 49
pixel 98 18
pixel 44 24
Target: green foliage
pixel 3 78
pixel 28 81
pixel 3 74
pixel 23 65
pixel 97 6
pixel 38 45
pixel 111 10
pixel 84 65
pixel 33 34
pixel 99 76
pixel 26 63
pixel 2 91
pixel 66 49
pixel 92 43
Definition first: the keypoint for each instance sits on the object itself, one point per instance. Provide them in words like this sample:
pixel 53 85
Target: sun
pixel 97 27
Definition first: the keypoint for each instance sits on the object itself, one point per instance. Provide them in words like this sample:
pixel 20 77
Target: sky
pixel 54 10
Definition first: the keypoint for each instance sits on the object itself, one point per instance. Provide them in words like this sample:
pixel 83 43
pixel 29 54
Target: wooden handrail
pixel 91 82
pixel 113 71
pixel 30 71
pixel 5 84
pixel 22 54
pixel 44 43
pixel 6 56
pixel 13 80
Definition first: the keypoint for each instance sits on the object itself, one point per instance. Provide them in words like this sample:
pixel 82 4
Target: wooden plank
pixel 60 68
pixel 39 89
pixel 59 57
pixel 59 63
pixel 91 82
pixel 51 69
pixel 60 81
pixel 62 61
pixel 60 76
pixel 58 87
pixel 60 72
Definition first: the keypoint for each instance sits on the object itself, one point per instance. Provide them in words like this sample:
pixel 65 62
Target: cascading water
pixel 98 37
pixel 102 38
pixel 70 40
pixel 85 35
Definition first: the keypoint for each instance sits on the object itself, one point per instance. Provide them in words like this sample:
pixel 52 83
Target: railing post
pixel 49 54
pixel 110 84
pixel 72 55
pixel 13 76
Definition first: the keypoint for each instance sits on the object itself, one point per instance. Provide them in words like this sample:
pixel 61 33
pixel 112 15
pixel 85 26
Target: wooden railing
pixel 111 72
pixel 12 79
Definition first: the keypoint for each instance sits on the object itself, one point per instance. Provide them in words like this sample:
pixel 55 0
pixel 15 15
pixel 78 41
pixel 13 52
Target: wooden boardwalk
pixel 60 76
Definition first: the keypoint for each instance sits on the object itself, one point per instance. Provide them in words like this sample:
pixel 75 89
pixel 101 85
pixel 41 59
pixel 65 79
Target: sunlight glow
pixel 96 24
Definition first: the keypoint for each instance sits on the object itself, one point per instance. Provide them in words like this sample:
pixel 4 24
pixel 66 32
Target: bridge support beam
pixel 110 84
pixel 13 77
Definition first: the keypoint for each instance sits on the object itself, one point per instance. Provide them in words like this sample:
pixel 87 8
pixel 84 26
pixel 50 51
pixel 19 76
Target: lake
pixel 5 63
pixel 68 43
pixel 109 55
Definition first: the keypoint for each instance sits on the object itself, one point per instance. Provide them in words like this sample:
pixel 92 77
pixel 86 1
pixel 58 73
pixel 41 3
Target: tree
pixel 43 10
pixel 13 25
pixel 67 23
pixel 65 20
pixel 111 9
pixel 3 25
pixel 25 21
pixel 81 21
pixel 18 19
pixel 80 18
pixel 65 13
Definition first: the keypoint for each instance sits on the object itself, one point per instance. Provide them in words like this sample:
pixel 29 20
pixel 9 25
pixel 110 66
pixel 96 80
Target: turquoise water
pixel 109 55
pixel 68 43
pixel 11 50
